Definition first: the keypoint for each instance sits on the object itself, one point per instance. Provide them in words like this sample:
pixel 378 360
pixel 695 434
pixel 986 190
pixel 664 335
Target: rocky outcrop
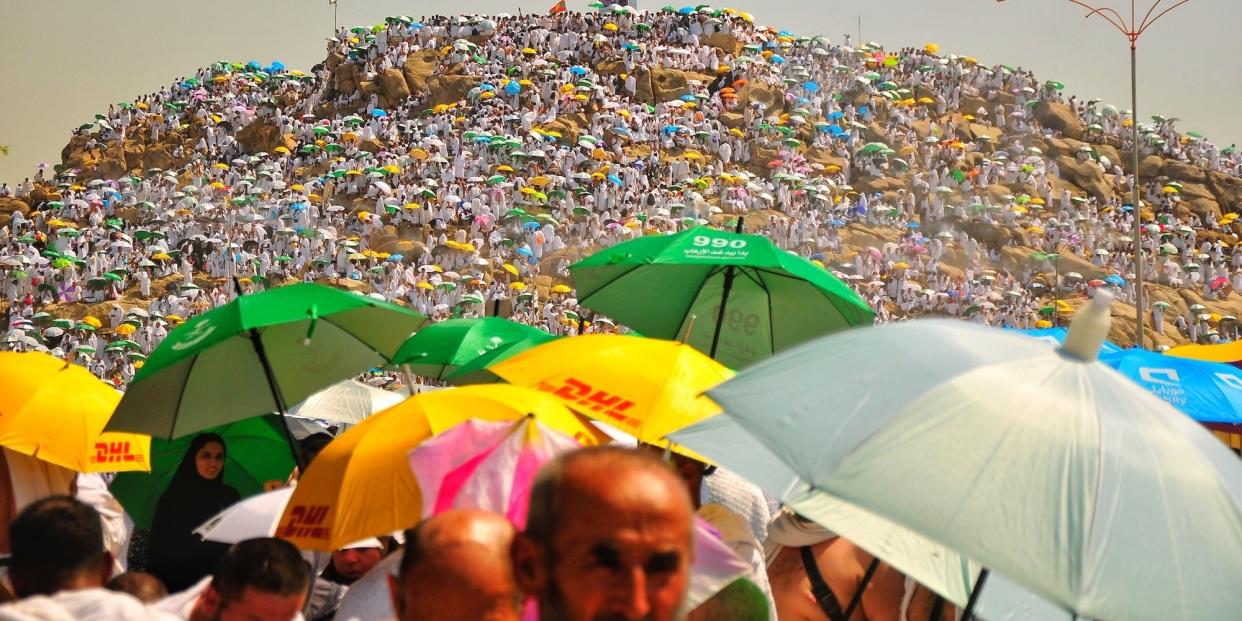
pixel 260 135
pixel 392 87
pixel 1058 117
pixel 1086 175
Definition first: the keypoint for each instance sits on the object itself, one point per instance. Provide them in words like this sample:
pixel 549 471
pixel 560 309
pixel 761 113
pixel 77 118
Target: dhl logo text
pixel 582 396
pixel 114 453
pixel 305 522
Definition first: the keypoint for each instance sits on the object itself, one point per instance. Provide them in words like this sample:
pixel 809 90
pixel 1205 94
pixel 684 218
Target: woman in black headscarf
pixel 197 492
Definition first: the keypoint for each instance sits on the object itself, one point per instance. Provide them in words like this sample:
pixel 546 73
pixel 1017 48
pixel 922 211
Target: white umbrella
pixel 1046 467
pixel 347 402
pixel 252 517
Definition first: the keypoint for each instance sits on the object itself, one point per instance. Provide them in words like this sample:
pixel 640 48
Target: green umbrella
pixel 736 297
pixel 257 354
pixel 475 371
pixel 440 348
pixel 256 454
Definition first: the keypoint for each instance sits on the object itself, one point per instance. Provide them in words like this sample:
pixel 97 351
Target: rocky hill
pixel 909 173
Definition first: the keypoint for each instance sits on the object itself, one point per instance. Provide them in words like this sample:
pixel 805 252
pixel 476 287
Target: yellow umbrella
pixel 518 286
pixel 647 388
pixel 56 411
pixel 611 27
pixel 361 485
pixel 425 285
pixel 508 267
pixel 125 329
pixel 561 289
pixel 539 180
pixel 220 166
pixel 284 150
pixel 92 321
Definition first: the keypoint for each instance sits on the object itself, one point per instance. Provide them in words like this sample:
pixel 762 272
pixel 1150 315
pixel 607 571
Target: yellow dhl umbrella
pixel 361 485
pixel 561 289
pixel 647 388
pixel 56 411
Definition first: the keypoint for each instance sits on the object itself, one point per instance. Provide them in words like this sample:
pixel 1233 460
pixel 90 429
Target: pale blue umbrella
pixel 1044 466
pixel 940 569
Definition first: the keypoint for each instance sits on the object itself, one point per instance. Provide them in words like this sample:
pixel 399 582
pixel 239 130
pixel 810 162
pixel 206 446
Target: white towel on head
pixel 787 530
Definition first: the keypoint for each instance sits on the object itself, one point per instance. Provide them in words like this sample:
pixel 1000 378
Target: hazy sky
pixel 62 61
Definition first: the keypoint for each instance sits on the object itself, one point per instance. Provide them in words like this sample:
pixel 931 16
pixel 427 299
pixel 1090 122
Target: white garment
pixel 117 525
pixel 82 605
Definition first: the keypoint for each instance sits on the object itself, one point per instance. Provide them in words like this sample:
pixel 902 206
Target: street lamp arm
pixel 1148 20
pixel 1118 21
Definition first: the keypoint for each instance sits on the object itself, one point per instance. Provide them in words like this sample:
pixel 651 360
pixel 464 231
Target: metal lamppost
pixel 1133 29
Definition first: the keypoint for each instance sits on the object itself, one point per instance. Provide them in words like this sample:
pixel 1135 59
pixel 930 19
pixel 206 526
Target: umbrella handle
pixel 969 612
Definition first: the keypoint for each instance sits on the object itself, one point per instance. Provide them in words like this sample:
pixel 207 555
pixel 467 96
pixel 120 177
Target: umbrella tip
pixel 1089 328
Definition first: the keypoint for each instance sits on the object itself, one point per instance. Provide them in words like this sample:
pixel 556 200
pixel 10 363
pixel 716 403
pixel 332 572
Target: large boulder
pixel 1086 175
pixel 722 41
pixel 259 135
pixel 1182 171
pixel 447 89
pixel 418 67
pixel 345 80
pixel 393 87
pixel 1228 191
pixel 1058 117
pixel 9 205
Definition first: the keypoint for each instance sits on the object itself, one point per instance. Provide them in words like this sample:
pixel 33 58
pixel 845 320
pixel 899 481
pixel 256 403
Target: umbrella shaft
pixel 969 612
pixel 724 299
pixel 280 402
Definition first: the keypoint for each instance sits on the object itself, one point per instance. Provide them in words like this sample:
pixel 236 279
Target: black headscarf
pixel 177 555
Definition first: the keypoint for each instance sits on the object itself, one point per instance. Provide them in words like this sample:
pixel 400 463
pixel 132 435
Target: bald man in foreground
pixel 609 537
pixel 456 568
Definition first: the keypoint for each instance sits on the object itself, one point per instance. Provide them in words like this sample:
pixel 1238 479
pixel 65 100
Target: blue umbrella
pixel 1209 392
pixel 687 97
pixel 777 59
pixel 275 67
pixel 513 87
pixel 670 129
pixel 811 87
pixel 377 113
pixel 531 226
pixel 578 70
pixel 487 87
pixel 524 251
pixel 395 257
pixel 686 10
pixel 832 116
pixel 1056 338
pixel 1114 279
pixel 615 179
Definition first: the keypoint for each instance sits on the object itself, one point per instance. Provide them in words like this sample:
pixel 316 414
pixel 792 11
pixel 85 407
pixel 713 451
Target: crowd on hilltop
pixel 564 140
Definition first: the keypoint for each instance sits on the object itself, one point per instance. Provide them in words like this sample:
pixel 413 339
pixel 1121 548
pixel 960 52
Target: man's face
pixel 624 555
pixel 255 605
pixel 355 562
